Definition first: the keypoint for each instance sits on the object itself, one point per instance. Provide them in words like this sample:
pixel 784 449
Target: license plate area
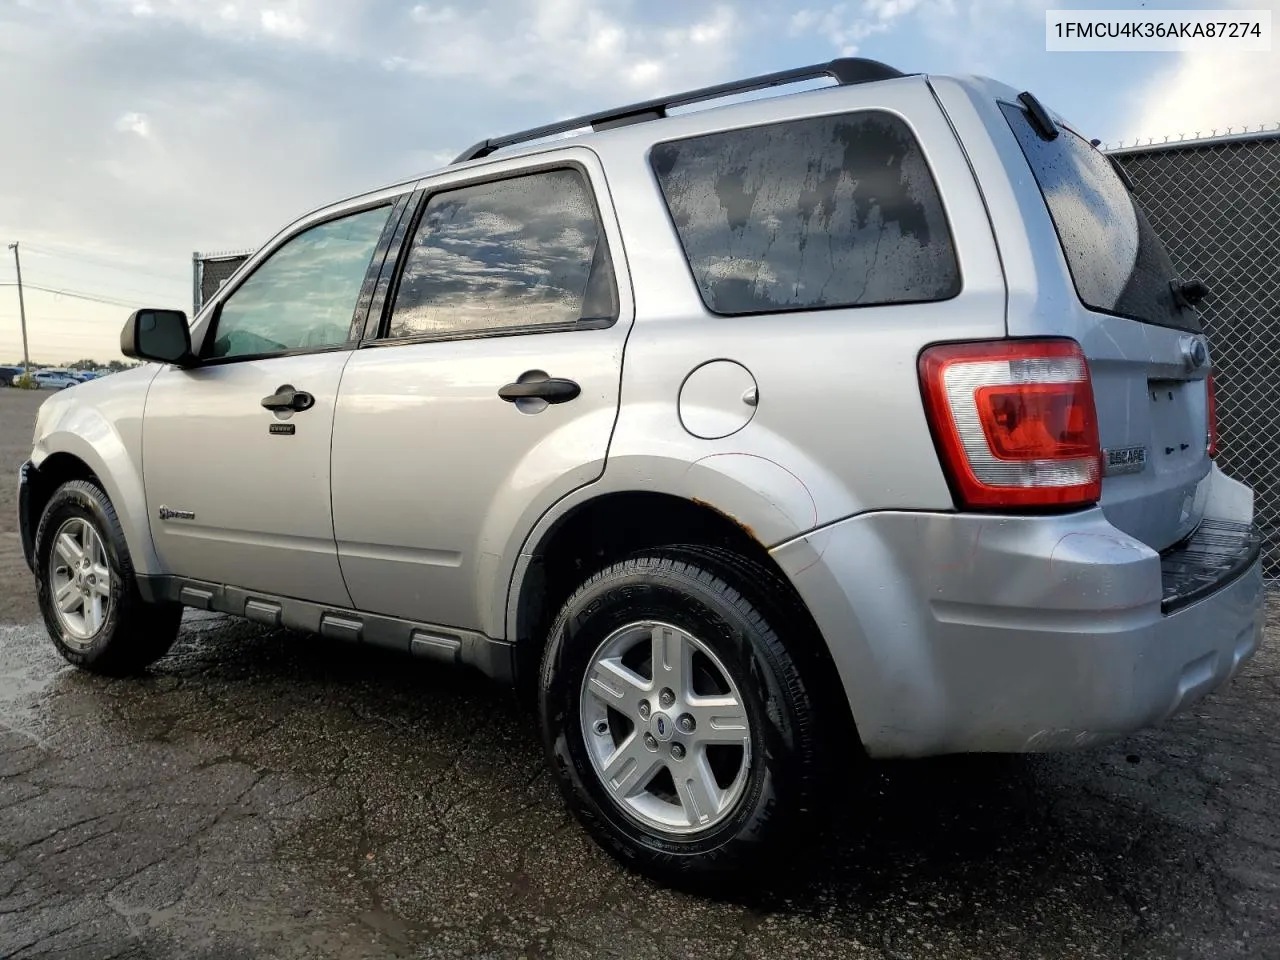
pixel 1177 433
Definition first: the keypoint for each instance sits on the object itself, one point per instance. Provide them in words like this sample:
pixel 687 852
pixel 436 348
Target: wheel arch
pixel 67 455
pixel 39 486
pixel 600 530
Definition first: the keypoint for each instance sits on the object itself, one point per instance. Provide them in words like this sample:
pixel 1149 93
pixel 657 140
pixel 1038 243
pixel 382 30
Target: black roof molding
pixel 845 71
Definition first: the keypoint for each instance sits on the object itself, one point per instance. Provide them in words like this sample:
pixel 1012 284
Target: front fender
pixel 107 438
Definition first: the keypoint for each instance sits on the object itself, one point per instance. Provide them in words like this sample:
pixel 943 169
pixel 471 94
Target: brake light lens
pixel 1014 422
pixel 1211 395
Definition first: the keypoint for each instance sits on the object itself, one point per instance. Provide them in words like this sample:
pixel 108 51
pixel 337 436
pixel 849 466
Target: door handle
pixel 552 390
pixel 287 398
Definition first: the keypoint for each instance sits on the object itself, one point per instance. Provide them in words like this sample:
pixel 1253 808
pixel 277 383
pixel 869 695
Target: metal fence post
pixel 195 282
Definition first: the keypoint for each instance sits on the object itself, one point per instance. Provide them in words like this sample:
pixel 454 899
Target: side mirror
pixel 161 335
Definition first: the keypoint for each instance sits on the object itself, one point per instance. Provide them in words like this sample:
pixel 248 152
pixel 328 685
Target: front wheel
pixel 86 588
pixel 676 720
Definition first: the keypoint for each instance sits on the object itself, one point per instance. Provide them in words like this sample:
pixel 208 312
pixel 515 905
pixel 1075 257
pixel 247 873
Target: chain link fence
pixel 209 271
pixel 1216 204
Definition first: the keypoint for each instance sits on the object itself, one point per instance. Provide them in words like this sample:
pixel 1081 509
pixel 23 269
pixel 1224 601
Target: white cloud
pixel 1202 92
pixel 428 13
pixel 558 46
pixel 542 46
pixel 717 29
pixel 273 19
pixel 886 10
pixel 608 40
pixel 134 123
pixel 975 32
pixel 802 21
pixel 847 25
pixel 283 23
pixel 643 72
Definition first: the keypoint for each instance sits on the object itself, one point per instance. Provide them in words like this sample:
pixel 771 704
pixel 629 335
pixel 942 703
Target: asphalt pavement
pixel 266 794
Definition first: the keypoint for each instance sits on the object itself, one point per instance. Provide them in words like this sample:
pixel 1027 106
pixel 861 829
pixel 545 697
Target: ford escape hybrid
pixel 749 440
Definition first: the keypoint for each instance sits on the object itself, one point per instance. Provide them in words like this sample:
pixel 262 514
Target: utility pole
pixel 22 311
pixel 195 282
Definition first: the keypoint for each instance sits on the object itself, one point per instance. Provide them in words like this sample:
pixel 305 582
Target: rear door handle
pixel 552 390
pixel 287 398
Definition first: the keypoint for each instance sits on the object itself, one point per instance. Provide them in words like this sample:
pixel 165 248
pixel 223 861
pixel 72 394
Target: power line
pixel 46 318
pixel 113 290
pixel 74 294
pixel 99 261
pixel 118 291
pixel 56 277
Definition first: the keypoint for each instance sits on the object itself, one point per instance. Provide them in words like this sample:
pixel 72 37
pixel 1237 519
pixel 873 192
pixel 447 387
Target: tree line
pixel 93 366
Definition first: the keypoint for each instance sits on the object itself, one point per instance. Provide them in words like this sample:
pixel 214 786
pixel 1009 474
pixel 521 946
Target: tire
pixel 123 634
pixel 698 596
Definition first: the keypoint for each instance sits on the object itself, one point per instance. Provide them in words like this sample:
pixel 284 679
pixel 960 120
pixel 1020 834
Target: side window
pixel 512 255
pixel 302 297
pixel 836 211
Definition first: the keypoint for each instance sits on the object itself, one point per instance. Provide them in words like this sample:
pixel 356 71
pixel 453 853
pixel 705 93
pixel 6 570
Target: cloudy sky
pixel 138 131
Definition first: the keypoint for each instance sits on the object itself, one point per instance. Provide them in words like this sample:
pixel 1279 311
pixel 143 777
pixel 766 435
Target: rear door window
pixel 519 255
pixel 836 211
pixel 1117 262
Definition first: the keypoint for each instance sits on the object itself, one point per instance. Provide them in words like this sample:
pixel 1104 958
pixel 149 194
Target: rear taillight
pixel 1014 422
pixel 1211 411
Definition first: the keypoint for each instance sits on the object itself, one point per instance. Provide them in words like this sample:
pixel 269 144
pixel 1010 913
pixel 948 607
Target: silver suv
pixel 869 420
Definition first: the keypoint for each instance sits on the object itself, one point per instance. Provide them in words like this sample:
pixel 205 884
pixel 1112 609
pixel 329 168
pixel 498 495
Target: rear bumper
pixel 27 522
pixel 1216 553
pixel 962 633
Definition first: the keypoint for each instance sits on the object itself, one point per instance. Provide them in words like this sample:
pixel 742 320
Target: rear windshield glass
pixel 836 211
pixel 1117 262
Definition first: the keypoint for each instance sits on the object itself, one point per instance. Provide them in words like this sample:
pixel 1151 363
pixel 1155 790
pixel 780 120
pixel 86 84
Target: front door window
pixel 303 296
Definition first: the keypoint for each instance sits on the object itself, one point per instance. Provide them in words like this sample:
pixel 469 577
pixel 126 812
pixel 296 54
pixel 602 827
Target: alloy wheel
pixel 79 581
pixel 665 727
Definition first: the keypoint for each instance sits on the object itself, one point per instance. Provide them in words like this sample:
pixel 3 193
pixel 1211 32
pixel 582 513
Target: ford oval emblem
pixel 661 725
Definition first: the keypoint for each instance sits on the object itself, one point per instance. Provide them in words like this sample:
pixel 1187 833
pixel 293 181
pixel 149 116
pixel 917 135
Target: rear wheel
pixel 676 720
pixel 87 591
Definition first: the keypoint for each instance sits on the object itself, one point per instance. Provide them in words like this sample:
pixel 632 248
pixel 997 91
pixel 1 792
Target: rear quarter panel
pixel 839 427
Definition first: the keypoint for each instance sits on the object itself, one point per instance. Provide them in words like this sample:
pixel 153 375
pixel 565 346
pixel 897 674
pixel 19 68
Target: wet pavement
pixel 265 794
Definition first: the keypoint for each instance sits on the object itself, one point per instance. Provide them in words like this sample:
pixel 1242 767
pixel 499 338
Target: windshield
pixel 1118 264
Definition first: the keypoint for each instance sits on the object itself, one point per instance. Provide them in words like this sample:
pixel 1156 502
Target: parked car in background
pixel 9 376
pixel 749 441
pixel 54 379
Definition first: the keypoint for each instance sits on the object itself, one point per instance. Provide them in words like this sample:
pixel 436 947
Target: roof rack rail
pixel 845 70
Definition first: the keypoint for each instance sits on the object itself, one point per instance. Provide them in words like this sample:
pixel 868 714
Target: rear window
pixel 838 211
pixel 1117 262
